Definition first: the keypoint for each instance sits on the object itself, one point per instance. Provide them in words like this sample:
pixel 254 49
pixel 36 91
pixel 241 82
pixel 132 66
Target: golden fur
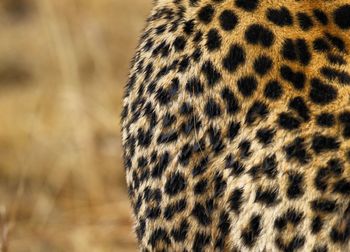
pixel 251 155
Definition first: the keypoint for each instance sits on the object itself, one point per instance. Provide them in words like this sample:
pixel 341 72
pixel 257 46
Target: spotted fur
pixel 236 126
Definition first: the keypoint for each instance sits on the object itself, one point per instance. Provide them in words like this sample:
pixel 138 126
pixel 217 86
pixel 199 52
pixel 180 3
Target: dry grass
pixel 63 64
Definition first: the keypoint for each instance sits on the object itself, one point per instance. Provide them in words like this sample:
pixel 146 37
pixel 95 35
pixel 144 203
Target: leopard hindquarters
pixel 236 126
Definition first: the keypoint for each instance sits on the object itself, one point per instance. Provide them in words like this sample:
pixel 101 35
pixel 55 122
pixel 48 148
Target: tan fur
pixel 267 239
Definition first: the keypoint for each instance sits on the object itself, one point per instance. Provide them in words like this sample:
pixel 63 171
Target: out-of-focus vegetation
pixel 63 65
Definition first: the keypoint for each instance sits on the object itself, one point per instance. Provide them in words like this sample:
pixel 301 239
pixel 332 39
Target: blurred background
pixel 63 65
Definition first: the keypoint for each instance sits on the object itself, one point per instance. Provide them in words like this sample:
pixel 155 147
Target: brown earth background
pixel 63 65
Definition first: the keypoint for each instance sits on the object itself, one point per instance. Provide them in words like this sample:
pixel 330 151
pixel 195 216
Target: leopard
pixel 236 126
